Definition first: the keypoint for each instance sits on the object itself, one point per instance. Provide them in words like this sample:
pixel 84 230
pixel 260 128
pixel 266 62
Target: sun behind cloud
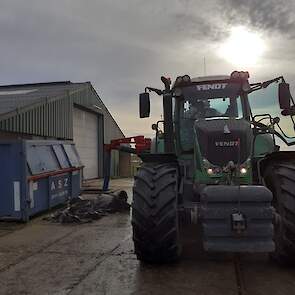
pixel 243 47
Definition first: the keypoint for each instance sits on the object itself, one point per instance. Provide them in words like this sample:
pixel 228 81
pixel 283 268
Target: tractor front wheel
pixel 154 214
pixel 280 179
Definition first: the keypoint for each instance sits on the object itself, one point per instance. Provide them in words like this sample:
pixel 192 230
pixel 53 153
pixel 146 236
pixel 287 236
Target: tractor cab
pixel 219 120
pixel 211 122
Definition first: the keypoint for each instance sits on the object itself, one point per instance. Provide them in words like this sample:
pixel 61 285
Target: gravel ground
pixel 97 258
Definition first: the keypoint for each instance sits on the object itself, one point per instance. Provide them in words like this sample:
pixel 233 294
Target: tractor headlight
pixel 211 169
pixel 243 170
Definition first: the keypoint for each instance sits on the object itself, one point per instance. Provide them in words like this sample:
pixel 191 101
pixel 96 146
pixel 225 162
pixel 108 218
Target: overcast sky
pixel 123 46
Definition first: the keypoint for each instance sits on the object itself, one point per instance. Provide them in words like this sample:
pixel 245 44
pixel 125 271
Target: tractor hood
pixel 224 140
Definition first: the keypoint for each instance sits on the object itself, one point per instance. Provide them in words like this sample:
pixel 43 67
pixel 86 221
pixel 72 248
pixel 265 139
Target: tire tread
pixel 154 214
pixel 280 178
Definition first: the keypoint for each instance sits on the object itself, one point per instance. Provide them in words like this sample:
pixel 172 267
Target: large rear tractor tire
pixel 154 214
pixel 280 179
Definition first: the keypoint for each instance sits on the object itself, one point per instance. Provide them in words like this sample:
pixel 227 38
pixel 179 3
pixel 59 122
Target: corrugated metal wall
pixel 50 119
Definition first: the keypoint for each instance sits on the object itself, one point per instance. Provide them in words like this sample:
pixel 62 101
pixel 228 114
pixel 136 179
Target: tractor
pixel 217 160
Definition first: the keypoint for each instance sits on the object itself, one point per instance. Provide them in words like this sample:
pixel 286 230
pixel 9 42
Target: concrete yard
pixel 97 258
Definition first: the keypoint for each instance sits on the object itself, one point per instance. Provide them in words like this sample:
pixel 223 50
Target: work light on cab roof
pixel 239 75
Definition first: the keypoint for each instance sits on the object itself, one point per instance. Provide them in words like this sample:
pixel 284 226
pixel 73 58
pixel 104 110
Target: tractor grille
pixel 223 140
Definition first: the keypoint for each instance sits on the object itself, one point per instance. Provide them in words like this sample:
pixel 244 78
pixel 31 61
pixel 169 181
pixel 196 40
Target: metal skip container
pixel 36 175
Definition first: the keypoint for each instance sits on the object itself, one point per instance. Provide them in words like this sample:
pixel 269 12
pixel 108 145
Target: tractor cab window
pixel 192 109
pixel 214 107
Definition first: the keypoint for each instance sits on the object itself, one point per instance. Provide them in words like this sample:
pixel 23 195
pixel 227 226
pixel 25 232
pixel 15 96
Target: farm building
pixel 66 111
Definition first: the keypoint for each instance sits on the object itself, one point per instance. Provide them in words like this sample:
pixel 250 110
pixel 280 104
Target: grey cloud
pixel 272 16
pixel 212 19
pixel 198 27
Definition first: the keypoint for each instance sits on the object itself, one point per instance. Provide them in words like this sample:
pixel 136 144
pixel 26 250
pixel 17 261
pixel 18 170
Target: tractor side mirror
pixel 284 96
pixel 144 105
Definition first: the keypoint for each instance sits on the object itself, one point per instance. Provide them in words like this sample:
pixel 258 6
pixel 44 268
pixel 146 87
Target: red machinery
pixel 141 144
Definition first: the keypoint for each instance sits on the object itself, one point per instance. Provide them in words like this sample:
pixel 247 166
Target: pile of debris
pixel 82 210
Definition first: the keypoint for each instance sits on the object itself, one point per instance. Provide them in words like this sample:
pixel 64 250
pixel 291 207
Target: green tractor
pixel 218 162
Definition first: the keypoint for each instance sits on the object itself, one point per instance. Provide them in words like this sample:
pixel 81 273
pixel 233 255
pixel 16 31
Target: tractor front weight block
pixel 237 219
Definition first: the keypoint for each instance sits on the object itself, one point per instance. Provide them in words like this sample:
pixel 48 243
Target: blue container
pixel 36 175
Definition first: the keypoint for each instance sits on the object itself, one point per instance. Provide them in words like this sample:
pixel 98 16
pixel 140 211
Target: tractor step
pixel 237 219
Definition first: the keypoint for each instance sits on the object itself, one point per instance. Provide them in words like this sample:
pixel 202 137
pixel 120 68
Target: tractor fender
pixel 160 158
pixel 272 158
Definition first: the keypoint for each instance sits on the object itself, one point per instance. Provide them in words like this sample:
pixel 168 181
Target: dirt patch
pixel 83 210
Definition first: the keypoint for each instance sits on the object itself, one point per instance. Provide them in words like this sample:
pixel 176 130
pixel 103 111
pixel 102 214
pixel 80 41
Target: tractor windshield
pixel 215 107
pixel 264 107
pixel 207 101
